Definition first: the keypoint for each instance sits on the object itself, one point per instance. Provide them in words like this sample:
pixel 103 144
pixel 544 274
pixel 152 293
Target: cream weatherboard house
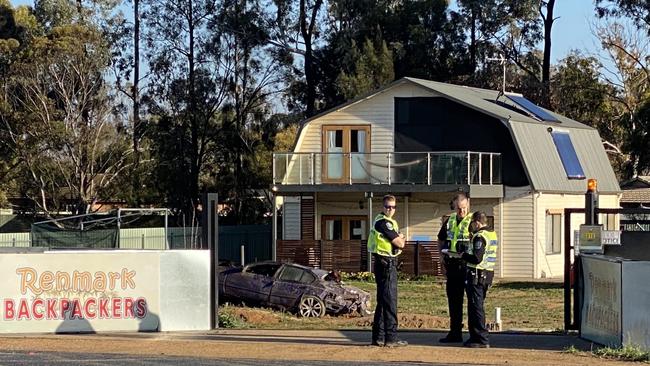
pixel 422 141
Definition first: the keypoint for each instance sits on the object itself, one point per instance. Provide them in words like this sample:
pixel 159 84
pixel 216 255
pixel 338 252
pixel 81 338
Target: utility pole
pixel 502 60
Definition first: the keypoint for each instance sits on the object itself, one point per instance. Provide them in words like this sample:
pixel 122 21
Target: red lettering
pixel 140 308
pixel 23 311
pixel 36 314
pixel 128 308
pixel 90 314
pixel 9 309
pixel 103 308
pixel 65 306
pixel 76 310
pixel 51 309
pixel 117 307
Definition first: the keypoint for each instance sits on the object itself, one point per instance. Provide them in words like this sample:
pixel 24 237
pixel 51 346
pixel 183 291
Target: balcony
pixel 424 169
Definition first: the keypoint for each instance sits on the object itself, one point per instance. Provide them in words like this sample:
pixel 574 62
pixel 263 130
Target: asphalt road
pixel 55 358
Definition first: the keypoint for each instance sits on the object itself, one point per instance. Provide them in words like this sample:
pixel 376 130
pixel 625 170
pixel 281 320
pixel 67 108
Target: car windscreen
pixel 263 269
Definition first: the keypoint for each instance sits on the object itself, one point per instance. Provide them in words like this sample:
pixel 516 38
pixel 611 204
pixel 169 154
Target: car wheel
pixel 311 307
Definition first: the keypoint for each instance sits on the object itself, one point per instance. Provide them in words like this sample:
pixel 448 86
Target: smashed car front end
pixel 340 299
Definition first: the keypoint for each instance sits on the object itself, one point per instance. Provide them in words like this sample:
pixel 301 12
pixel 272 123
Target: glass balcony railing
pixel 428 168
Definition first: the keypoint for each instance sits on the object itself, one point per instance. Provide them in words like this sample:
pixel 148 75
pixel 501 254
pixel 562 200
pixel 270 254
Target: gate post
pixel 210 234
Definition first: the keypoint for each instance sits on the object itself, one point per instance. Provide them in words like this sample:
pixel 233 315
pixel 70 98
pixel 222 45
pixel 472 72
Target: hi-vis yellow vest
pixel 378 243
pixel 458 232
pixel 490 255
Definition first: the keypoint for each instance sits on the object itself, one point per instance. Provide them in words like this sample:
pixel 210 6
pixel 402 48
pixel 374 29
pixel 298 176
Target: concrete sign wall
pixel 601 308
pixel 89 291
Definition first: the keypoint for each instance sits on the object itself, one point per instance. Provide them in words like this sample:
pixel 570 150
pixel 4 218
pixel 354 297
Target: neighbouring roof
pixel 531 137
pixel 640 195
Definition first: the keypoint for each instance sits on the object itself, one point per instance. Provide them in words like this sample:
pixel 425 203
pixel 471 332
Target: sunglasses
pixel 390 207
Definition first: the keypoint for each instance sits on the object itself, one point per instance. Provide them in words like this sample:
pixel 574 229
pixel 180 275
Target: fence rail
pixel 417 258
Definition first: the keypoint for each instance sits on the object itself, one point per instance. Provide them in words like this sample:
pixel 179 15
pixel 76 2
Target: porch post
pixel 274 229
pixel 371 221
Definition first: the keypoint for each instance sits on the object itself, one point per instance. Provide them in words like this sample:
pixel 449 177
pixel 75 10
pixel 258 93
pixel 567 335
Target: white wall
pixel 552 265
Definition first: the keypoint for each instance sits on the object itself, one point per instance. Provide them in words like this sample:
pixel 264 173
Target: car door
pixel 253 284
pixel 292 282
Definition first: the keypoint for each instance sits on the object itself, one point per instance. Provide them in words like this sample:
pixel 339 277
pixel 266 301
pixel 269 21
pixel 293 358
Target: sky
pixel 570 31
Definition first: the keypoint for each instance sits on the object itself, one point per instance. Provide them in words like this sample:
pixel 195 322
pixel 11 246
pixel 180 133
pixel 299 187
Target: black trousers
pixel 477 289
pixel 455 287
pixel 384 326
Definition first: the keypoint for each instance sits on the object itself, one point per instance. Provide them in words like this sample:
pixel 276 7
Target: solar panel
pixel 568 155
pixel 532 108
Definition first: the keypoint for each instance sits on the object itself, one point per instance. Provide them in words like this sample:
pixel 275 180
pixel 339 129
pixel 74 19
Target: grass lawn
pixel 423 304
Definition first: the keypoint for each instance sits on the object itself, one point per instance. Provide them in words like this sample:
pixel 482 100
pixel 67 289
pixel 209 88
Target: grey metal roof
pixel 484 101
pixel 534 142
pixel 543 164
pixel 532 139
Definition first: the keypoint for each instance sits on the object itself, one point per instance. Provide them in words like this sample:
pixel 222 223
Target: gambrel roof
pixel 531 136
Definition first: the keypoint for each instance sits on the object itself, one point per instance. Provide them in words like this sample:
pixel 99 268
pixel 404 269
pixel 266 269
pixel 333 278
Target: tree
pixel 186 89
pixel 242 42
pixel 373 68
pixel 61 128
pixel 636 10
pixel 299 20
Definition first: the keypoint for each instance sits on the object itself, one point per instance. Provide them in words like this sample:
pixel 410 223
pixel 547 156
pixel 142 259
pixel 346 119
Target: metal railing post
pixel 469 160
pixel 300 169
pixel 491 168
pixel 286 167
pixel 313 163
pixel 274 181
pixel 350 168
pixel 480 168
pixel 429 169
pixel 389 156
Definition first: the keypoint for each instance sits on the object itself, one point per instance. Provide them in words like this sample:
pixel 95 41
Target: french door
pixel 344 227
pixel 345 157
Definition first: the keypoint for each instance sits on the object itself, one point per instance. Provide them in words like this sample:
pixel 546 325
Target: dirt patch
pixel 254 316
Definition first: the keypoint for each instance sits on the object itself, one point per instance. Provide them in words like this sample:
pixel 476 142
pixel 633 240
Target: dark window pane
pixel 307 277
pixel 339 138
pixel 292 274
pixel 568 155
pixel 263 269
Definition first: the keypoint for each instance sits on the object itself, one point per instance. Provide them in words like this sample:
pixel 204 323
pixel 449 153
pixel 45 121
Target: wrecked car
pixel 308 291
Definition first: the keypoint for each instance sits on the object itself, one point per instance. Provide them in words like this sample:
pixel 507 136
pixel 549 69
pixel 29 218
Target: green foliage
pixel 373 68
pixel 358 276
pixel 228 321
pixel 626 353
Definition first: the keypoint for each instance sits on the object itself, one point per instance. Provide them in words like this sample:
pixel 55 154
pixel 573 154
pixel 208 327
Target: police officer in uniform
pixel 480 257
pixel 385 242
pixel 453 238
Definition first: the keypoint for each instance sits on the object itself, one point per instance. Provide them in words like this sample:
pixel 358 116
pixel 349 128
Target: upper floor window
pixel 346 148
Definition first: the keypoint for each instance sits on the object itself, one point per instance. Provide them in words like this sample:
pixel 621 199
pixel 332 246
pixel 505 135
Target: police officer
pixel 453 238
pixel 480 258
pixel 385 242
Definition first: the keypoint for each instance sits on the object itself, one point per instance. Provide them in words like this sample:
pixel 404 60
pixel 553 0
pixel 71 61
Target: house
pixel 636 193
pixel 422 141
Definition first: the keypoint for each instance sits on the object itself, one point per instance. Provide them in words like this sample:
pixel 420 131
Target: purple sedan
pixel 308 291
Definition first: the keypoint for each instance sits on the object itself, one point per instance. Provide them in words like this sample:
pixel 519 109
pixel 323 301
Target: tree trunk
pixel 136 102
pixel 546 62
